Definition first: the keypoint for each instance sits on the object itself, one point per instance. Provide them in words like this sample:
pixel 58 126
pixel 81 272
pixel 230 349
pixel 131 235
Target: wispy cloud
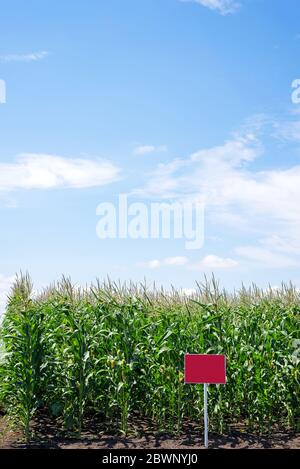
pixel 205 172
pixel 288 130
pixel 285 245
pixel 30 57
pixel 42 171
pixel 209 262
pixel 266 258
pixel 145 149
pixel 238 196
pixel 212 262
pixel 224 7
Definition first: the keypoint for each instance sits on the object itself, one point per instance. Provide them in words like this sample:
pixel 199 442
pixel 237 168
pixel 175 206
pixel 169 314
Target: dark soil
pixel 141 434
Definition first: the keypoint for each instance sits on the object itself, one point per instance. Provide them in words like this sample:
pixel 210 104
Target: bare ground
pixel 141 434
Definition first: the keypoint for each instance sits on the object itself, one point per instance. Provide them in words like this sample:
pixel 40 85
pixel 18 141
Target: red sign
pixel 205 369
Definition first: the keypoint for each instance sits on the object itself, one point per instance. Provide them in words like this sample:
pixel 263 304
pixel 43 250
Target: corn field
pixel 117 351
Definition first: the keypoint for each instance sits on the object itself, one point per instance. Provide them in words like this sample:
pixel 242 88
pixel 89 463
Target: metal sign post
pixel 204 369
pixel 205 417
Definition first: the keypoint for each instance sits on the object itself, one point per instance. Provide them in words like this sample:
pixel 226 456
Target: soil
pixel 141 434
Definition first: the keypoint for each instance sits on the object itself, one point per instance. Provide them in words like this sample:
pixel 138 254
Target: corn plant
pixel 22 334
pixel 116 352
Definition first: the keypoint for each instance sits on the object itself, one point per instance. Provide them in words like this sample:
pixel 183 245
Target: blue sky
pixel 166 100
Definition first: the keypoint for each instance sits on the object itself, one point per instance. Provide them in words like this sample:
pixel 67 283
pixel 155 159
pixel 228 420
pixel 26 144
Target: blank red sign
pixel 209 369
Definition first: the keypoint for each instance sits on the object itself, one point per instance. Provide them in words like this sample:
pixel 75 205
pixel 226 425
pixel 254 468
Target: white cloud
pixel 177 260
pixel 212 262
pixel 155 264
pixel 168 261
pixel 220 176
pixel 146 149
pixel 5 285
pixel 217 173
pixel 224 7
pixel 261 203
pixel 42 171
pixel 31 57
